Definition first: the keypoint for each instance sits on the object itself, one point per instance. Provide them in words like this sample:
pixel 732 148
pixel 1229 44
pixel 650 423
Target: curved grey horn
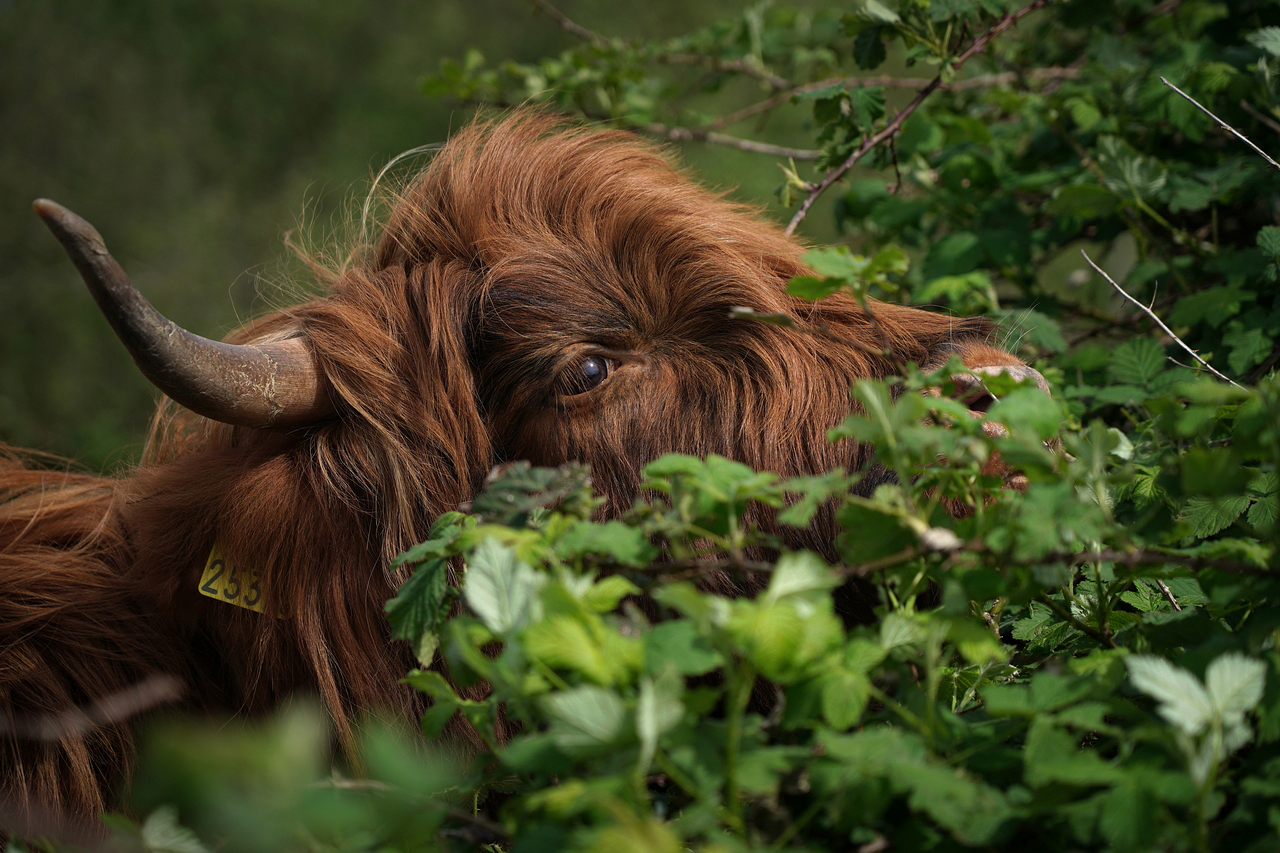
pixel 256 385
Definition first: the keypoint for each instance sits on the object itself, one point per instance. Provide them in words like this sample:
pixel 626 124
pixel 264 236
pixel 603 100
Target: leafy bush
pixel 1089 664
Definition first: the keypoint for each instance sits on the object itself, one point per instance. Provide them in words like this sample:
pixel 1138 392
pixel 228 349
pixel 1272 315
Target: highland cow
pixel 541 292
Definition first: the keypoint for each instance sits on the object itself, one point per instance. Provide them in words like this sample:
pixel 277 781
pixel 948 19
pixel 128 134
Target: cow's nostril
pixel 980 403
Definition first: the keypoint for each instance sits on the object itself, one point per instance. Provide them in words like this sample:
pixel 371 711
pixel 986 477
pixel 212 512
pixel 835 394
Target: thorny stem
pixel 893 126
pixel 684 134
pixel 568 25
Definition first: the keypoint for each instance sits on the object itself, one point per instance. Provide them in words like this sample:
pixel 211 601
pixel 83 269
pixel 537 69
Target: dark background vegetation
pixel 194 136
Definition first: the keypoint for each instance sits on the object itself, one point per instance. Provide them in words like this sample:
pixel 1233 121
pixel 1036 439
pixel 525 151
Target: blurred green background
pixel 194 135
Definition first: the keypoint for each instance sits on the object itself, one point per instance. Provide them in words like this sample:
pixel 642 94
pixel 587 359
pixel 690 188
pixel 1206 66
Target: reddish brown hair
pixel 526 246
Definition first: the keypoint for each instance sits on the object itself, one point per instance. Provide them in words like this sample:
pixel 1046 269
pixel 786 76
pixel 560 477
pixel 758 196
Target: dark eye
pixel 585 374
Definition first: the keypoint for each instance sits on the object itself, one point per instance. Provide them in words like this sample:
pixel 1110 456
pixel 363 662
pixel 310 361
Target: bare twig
pixel 1144 309
pixel 112 708
pixel 683 134
pixel 979 44
pixel 1222 124
pixel 1248 107
pixel 777 100
pixel 1168 594
pixel 741 66
pixel 568 25
pixel 1133 559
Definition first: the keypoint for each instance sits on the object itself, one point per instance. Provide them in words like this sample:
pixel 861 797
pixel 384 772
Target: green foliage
pixel 1090 663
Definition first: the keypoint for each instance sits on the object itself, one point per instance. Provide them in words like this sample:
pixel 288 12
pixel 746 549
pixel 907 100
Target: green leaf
pixel 868 48
pixel 1184 702
pixel 1208 516
pixel 868 105
pixel 845 695
pixel 603 596
pixel 1267 38
pixel 658 710
pixel 1087 201
pixel 1269 236
pixel 583 644
pixel 1247 347
pixel 500 589
pixel 876 12
pixel 1128 819
pixel 586 718
pixel 161 833
pixel 420 608
pixel 955 254
pixel 620 542
pixel 678 643
pixel 1028 410
pixel 1136 362
pixel 1235 684
pixel 800 574
pixel 835 262
pixel 811 288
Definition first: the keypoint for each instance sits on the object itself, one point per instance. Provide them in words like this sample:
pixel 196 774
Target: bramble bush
pixel 1091 664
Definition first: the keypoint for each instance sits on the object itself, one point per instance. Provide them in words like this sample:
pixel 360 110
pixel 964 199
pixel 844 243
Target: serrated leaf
pixel 1269 236
pixel 868 48
pixel 1208 516
pixel 1247 347
pixel 812 288
pixel 1136 362
pixel 1087 201
pixel 1128 819
pixel 583 644
pixel 161 833
pixel 1264 512
pixel 658 710
pixel 586 717
pixel 678 643
pixel 501 589
pixel 1267 38
pixel 420 608
pixel 622 543
pixel 1184 702
pixel 1235 684
pixel 799 574
pixel 868 105
pixel 604 595
pixel 845 695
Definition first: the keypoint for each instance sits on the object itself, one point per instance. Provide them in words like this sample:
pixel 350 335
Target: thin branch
pixel 568 25
pixel 1133 559
pixel 1248 107
pixel 979 44
pixel 1168 594
pixel 1222 123
pixel 985 81
pixel 741 66
pixel 104 711
pixel 684 134
pixel 1144 309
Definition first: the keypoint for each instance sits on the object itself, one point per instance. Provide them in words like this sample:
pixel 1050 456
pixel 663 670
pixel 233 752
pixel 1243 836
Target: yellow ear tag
pixel 227 582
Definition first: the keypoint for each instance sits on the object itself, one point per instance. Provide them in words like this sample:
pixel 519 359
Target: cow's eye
pixel 585 374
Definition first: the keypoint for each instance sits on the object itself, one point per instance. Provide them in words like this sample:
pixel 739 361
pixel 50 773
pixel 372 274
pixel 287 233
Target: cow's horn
pixel 256 385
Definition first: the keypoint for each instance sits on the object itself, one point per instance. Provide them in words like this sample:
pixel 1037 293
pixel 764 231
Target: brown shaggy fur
pixel 526 245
